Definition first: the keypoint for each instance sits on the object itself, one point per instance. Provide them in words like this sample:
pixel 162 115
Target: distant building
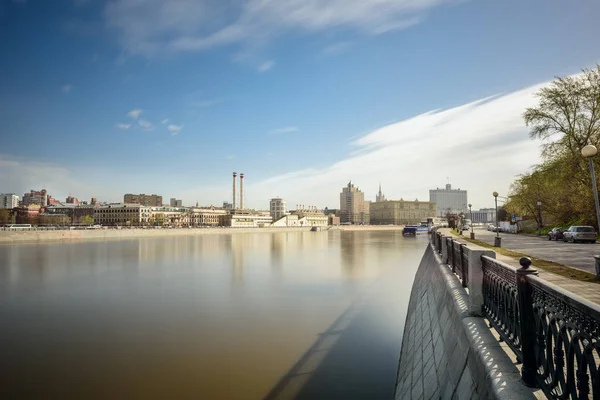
pixel 72 200
pixel 27 214
pixel 9 200
pixel 227 205
pixel 204 216
pixel 122 214
pixel 175 202
pixel 379 196
pixel 448 200
pixel 278 208
pixel 148 200
pixel 245 219
pixel 39 197
pixel 400 212
pixel 332 211
pixel 483 215
pixel 353 207
pixel 333 220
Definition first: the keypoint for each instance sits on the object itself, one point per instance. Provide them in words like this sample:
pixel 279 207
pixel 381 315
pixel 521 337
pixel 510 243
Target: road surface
pixel 577 255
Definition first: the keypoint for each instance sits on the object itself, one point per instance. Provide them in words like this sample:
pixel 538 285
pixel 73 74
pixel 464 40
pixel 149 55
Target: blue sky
pixel 100 98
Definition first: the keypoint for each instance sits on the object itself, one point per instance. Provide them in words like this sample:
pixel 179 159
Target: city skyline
pixel 116 97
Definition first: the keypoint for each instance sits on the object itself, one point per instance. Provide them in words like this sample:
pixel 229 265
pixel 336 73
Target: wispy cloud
pixel 410 157
pixel 174 129
pixel 165 121
pixel 145 125
pixel 206 103
pixel 287 129
pixel 135 113
pixel 123 126
pixel 265 66
pixel 67 88
pixel 336 48
pixel 154 27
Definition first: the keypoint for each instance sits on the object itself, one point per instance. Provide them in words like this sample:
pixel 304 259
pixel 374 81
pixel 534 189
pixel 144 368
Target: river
pixel 301 315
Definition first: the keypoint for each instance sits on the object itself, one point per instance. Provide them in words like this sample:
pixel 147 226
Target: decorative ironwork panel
pixel 568 342
pixel 500 301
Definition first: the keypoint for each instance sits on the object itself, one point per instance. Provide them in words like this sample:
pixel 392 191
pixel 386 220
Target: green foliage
pixel 568 112
pixel 87 220
pixel 6 217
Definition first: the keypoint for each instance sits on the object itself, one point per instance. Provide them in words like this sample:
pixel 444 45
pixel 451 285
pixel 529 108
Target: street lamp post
pixel 461 223
pixel 471 214
pixel 497 239
pixel 589 152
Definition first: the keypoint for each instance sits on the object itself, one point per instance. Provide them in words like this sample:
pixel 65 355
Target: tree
pixel 570 108
pixel 6 216
pixel 87 220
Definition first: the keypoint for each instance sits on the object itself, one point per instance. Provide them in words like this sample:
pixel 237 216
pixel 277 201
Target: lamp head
pixel 470 205
pixel 495 194
pixel 589 151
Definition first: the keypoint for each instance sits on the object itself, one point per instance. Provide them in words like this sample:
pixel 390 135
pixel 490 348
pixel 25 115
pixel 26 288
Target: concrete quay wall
pixel 15 237
pixel 447 352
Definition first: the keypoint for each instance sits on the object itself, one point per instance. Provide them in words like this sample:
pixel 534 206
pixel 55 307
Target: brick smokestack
pixel 241 191
pixel 234 185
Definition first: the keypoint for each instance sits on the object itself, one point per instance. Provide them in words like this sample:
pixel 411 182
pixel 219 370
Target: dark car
pixel 555 234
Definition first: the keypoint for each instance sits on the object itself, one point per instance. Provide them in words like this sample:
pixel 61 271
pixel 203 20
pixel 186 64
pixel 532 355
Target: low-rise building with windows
pixel 245 219
pixel 400 212
pixel 122 214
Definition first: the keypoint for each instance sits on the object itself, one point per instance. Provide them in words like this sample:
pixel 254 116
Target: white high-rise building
pixel 448 200
pixel 278 208
pixel 9 200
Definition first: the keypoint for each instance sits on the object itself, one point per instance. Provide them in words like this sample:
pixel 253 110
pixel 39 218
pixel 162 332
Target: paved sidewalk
pixel 589 291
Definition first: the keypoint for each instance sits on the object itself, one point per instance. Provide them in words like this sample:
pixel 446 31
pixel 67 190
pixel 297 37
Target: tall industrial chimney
pixel 234 185
pixel 241 191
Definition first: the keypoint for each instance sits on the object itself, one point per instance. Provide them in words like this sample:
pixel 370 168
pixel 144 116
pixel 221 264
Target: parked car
pixel 555 234
pixel 580 234
pixel 491 227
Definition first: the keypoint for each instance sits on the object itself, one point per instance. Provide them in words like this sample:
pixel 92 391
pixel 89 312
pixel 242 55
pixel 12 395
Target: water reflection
pixel 214 316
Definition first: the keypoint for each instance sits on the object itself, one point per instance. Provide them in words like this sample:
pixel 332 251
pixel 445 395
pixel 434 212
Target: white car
pixel 580 234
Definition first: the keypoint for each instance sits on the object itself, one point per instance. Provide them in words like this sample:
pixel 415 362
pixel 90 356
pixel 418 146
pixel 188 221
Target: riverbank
pixel 15 237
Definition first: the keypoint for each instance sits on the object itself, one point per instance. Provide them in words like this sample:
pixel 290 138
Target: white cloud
pixel 174 129
pixel 265 66
pixel 67 88
pixel 151 27
pixel 287 129
pixel 165 121
pixel 122 126
pixel 135 113
pixel 145 125
pixel 481 146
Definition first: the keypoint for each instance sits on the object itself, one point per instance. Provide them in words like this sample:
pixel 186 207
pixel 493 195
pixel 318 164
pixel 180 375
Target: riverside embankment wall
pixel 447 352
pixel 14 237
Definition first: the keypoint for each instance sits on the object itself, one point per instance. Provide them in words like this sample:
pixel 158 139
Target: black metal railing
pixel 567 345
pixel 500 301
pixel 553 332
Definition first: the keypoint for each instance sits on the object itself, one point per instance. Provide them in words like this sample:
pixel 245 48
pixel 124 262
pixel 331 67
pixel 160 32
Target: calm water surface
pixel 232 316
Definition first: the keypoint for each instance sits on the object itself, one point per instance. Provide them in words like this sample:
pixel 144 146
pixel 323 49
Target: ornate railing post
pixel 451 257
pixel 444 249
pixel 463 267
pixel 527 322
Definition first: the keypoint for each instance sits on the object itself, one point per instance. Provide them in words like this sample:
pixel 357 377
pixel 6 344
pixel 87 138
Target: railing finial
pixel 525 262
